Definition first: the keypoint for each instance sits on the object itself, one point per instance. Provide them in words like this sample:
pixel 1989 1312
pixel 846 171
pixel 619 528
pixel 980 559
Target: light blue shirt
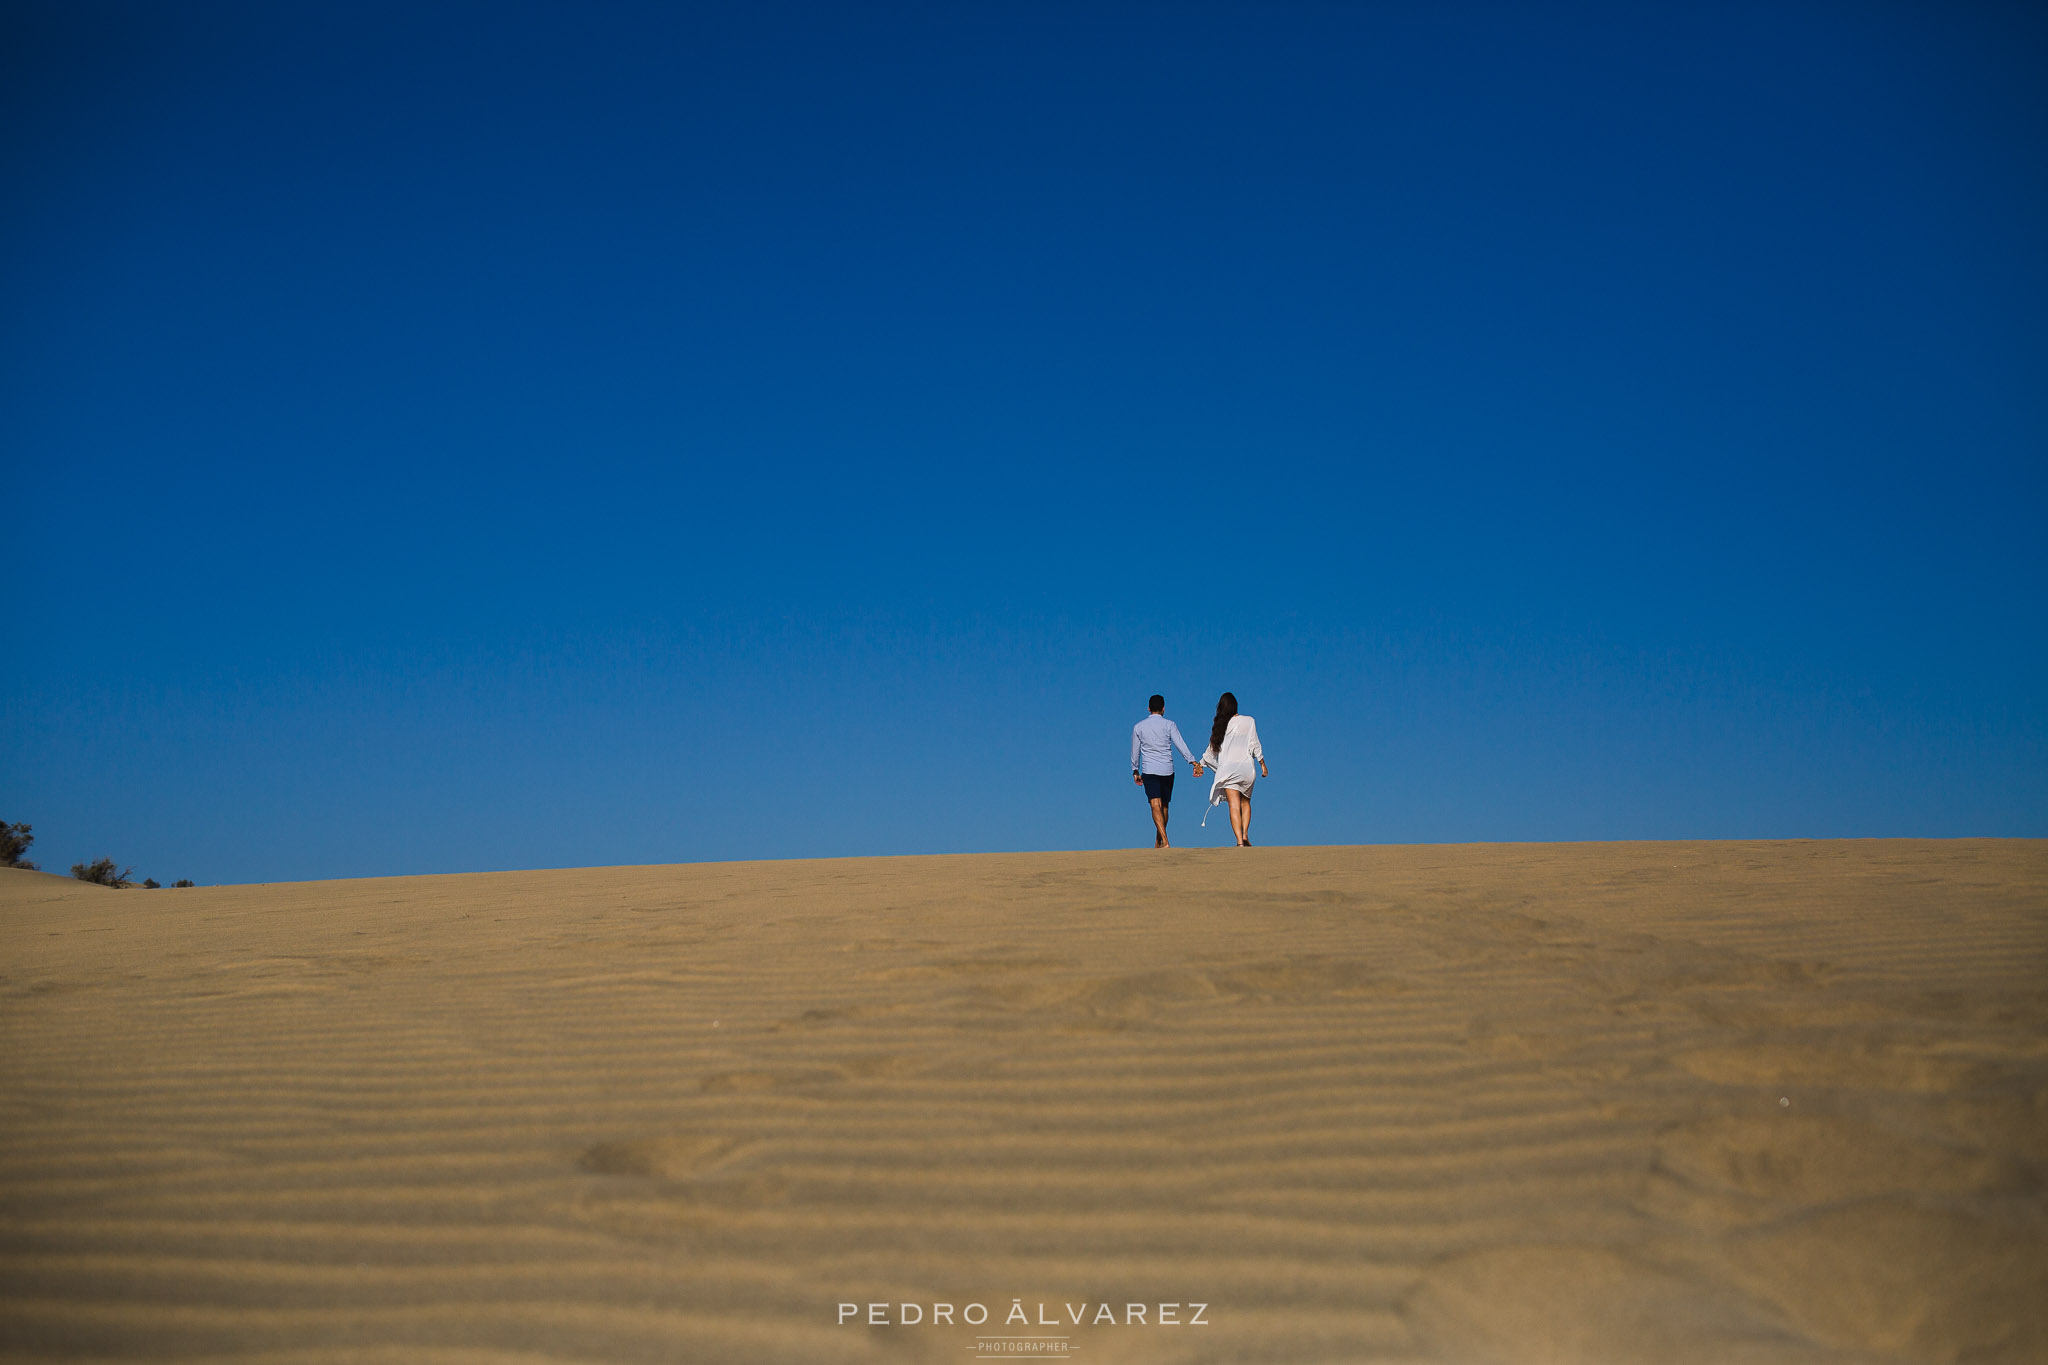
pixel 1149 740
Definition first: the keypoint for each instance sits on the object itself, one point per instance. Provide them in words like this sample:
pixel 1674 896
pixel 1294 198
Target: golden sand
pixel 1628 1103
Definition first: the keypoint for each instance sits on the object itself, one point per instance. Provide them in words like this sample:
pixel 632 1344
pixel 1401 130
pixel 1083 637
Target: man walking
pixel 1153 741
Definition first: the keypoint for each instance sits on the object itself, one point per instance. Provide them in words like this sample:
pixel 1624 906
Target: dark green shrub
pixel 182 881
pixel 14 841
pixel 102 873
pixel 150 883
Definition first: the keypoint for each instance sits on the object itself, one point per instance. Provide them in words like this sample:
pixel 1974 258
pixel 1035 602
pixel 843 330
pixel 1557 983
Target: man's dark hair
pixel 1158 703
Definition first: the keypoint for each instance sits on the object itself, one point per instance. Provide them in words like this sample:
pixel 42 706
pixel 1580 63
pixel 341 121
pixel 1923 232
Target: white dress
pixel 1238 765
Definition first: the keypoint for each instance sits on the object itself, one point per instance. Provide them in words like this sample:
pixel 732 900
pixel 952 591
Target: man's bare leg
pixel 1159 822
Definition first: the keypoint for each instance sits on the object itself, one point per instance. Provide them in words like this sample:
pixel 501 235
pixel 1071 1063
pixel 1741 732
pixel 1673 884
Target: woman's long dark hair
pixel 1226 707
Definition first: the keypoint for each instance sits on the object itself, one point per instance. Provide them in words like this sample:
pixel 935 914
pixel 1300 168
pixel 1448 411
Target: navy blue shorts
pixel 1158 788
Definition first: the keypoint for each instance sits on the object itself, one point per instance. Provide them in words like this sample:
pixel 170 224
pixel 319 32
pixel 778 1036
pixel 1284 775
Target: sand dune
pixel 1755 1102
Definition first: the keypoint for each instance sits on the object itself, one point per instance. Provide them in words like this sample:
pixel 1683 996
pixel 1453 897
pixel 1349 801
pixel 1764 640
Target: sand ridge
pixel 1780 1102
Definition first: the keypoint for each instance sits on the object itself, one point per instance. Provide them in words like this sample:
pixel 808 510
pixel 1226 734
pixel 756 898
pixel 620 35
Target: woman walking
pixel 1233 749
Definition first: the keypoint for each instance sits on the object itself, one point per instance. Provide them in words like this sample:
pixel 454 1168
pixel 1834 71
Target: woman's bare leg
pixel 1240 813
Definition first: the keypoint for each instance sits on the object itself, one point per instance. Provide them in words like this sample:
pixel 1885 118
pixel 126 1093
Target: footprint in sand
pixel 668 1157
pixel 823 1017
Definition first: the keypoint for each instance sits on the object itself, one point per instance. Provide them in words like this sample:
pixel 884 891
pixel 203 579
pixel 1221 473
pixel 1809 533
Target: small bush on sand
pixel 102 873
pixel 182 881
pixel 150 883
pixel 14 841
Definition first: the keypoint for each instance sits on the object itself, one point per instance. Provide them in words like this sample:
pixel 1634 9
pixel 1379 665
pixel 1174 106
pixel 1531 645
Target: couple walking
pixel 1233 749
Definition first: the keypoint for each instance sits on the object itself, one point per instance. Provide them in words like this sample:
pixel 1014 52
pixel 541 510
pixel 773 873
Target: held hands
pixel 1198 770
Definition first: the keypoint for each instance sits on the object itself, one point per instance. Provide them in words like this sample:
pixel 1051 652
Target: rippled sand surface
pixel 1728 1102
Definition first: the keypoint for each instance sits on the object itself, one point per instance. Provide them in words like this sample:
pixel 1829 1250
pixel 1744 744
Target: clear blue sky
pixel 444 437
